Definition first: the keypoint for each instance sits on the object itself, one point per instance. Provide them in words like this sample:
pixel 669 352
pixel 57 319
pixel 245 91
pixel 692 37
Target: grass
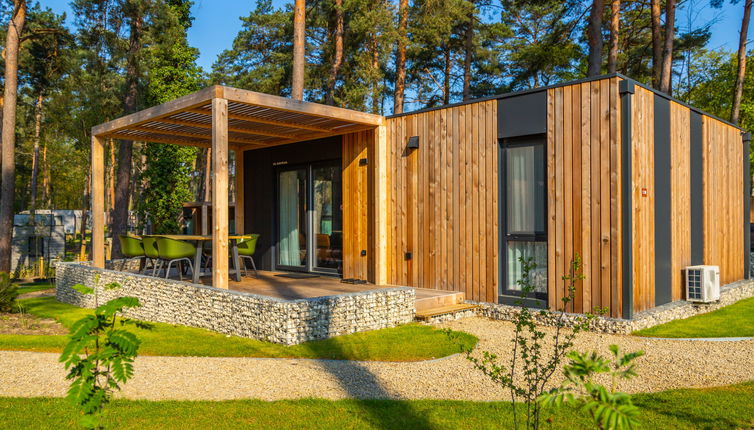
pixel 736 320
pixel 712 408
pixel 31 287
pixel 410 342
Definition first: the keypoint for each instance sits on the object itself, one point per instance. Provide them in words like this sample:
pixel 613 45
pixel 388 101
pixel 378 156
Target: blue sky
pixel 217 22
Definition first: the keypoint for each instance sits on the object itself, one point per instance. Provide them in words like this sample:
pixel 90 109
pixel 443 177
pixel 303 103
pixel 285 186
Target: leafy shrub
pixel 609 409
pixel 8 293
pixel 100 354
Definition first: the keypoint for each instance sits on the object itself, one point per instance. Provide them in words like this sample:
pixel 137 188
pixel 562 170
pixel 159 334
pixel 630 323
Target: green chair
pixel 152 253
pixel 246 249
pixel 175 251
pixel 131 248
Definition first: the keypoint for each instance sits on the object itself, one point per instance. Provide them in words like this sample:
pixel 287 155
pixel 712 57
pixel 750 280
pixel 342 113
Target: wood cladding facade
pixel 358 205
pixel 723 198
pixel 623 169
pixel 584 194
pixel 442 214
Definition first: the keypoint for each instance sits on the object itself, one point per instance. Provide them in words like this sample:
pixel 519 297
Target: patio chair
pixel 175 251
pixel 152 253
pixel 131 248
pixel 246 248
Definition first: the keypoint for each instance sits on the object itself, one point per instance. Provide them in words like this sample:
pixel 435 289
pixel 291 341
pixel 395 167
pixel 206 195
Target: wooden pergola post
pixel 380 204
pixel 220 193
pixel 98 201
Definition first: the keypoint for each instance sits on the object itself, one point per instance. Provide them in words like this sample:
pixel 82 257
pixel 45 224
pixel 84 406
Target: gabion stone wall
pixel 237 313
pixel 729 294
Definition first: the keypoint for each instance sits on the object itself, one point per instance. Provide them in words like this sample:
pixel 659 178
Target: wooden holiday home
pixel 636 183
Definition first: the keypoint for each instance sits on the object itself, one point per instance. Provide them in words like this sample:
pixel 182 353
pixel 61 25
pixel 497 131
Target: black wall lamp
pixel 413 142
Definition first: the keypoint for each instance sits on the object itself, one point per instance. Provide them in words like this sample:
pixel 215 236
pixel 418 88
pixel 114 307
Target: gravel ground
pixel 667 364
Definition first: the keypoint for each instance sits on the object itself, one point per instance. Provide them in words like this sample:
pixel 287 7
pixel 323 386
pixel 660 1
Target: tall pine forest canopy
pixel 114 57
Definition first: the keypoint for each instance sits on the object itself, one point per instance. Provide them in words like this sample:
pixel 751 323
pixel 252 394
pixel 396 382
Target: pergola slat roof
pixel 255 120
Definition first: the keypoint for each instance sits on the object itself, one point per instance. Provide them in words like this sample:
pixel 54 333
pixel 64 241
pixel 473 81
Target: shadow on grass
pixel 367 391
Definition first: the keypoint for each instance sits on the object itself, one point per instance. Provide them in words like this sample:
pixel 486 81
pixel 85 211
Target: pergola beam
pixel 198 98
pixel 249 118
pixel 297 106
pixel 231 129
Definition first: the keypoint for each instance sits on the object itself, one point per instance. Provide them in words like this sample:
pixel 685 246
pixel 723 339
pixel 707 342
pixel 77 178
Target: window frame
pixel 506 295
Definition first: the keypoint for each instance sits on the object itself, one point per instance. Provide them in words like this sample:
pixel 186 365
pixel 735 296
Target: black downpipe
pixel 746 137
pixel 626 90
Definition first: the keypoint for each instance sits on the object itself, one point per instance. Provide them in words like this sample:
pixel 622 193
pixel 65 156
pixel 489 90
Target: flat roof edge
pixel 565 84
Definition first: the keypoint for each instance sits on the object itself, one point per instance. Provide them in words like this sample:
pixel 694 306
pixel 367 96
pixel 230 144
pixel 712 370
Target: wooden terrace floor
pixel 272 285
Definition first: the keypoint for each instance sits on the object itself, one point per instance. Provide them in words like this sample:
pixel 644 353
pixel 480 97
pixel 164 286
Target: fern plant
pixel 99 355
pixel 608 408
pixel 8 293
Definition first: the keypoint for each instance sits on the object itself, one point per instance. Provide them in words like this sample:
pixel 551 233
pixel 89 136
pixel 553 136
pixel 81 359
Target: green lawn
pixel 408 342
pixel 713 408
pixel 736 320
pixel 31 287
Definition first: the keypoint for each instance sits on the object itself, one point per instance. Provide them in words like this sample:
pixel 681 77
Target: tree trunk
pixel 85 205
pixel 338 57
pixel 45 178
pixel 207 176
pixel 612 54
pixel 738 89
pixel 35 154
pixel 111 177
pixel 299 41
pixel 446 77
pixel 400 57
pixel 595 38
pixel 375 74
pixel 468 55
pixel 10 92
pixel 666 77
pixel 656 44
pixel 119 219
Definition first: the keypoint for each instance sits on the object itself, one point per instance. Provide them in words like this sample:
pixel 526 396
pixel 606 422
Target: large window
pixel 525 199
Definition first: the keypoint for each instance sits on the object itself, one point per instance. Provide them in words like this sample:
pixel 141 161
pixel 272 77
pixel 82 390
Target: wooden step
pixel 430 299
pixel 445 310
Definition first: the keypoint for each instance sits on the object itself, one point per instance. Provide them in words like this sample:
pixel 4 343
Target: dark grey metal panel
pixel 663 237
pixel 522 115
pixel 626 90
pixel 747 202
pixel 697 190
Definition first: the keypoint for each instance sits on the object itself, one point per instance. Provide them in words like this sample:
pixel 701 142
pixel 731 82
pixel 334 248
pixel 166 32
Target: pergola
pixel 221 118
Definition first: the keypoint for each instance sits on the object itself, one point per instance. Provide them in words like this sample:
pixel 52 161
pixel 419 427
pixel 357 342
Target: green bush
pixel 100 354
pixel 8 293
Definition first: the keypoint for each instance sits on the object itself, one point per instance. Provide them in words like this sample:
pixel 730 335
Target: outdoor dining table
pixel 198 242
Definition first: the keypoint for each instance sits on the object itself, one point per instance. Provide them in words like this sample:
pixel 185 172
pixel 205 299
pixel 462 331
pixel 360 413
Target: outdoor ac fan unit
pixel 703 284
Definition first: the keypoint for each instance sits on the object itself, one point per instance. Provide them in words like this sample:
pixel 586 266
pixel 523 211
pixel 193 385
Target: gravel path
pixel 667 364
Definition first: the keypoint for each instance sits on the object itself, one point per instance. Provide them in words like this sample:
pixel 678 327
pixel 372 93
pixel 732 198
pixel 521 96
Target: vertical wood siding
pixel 358 205
pixel 680 196
pixel 442 200
pixel 584 194
pixel 643 199
pixel 723 199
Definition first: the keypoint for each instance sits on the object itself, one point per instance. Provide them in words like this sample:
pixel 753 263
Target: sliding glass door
pixel 292 228
pixel 309 218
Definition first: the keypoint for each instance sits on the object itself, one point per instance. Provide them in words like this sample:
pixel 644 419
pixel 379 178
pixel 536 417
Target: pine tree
pixel 7 189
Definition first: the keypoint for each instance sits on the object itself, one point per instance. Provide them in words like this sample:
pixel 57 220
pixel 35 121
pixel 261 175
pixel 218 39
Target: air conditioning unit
pixel 702 284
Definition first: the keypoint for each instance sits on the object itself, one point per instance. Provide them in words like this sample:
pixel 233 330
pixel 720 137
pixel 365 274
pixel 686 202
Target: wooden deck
pixel 273 285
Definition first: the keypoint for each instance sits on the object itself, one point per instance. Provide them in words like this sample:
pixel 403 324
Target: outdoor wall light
pixel 413 142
